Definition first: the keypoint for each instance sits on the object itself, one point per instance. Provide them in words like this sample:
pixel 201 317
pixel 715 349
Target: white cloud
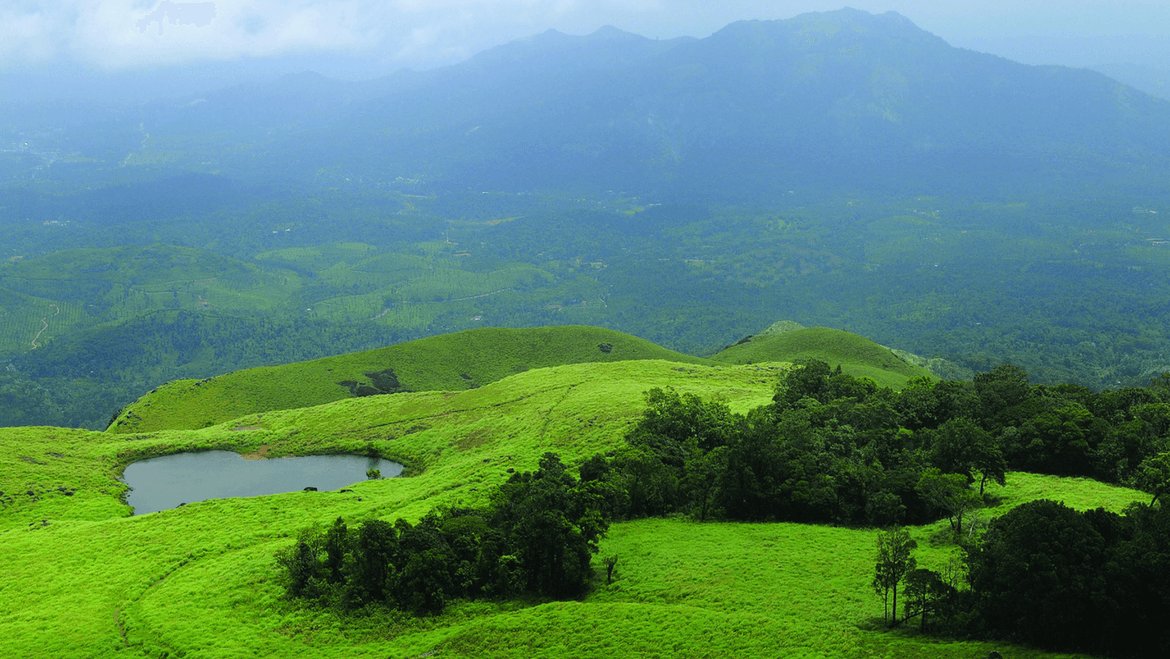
pixel 421 33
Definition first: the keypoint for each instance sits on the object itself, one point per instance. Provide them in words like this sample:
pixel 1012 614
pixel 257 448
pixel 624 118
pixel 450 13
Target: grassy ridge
pixel 451 362
pixel 199 580
pixel 464 360
pixel 857 355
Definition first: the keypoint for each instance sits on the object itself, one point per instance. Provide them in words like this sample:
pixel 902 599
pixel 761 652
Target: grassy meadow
pixel 83 578
pixel 857 355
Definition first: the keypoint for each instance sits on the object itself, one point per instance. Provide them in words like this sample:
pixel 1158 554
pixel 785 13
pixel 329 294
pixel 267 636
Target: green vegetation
pixel 451 362
pixel 857 355
pixel 123 305
pixel 200 580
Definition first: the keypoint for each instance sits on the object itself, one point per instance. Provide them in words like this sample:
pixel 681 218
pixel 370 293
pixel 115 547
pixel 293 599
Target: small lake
pixel 164 483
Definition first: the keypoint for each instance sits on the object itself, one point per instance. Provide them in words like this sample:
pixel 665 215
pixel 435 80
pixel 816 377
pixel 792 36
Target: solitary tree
pixel 610 564
pixel 950 493
pixel 894 562
pixel 1153 476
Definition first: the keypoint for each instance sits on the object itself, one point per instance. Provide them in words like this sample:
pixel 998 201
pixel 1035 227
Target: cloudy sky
pixel 385 35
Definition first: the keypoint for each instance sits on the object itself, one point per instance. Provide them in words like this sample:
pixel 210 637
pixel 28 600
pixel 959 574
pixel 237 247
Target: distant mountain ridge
pixel 843 99
pixel 836 101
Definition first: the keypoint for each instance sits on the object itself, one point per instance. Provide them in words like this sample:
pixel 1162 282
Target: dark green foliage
pixel 949 493
pixel 1153 476
pixel 302 567
pixel 537 537
pixel 960 446
pixel 1047 575
pixel 552 525
pixel 835 448
pixel 928 595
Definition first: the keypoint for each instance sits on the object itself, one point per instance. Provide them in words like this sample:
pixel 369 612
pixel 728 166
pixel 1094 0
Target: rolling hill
pixel 470 359
pixel 84 579
pixel 856 355
pixel 450 362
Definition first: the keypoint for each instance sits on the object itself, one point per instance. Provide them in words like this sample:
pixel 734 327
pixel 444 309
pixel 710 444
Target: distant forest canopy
pixel 842 170
pixel 121 302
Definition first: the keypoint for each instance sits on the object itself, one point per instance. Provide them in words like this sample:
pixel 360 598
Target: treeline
pixel 537 537
pixel 837 449
pixel 1096 581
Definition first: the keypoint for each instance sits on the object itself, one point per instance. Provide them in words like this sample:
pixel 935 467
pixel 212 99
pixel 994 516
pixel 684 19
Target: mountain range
pixel 840 100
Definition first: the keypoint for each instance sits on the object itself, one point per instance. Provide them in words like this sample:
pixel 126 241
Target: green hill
pixel 83 579
pixel 857 355
pixel 451 362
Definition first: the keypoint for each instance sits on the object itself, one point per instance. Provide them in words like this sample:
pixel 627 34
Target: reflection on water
pixel 167 482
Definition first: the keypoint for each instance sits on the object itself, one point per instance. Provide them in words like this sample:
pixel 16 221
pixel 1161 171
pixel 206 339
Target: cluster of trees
pixel 1046 575
pixel 838 449
pixel 1056 578
pixel 830 448
pixel 536 537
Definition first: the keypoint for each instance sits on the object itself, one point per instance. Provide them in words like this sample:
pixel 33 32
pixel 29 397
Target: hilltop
pixel 470 359
pixel 449 362
pixel 856 355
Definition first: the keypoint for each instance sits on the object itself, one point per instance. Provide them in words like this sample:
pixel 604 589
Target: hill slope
pixel 450 362
pixel 86 581
pixel 857 355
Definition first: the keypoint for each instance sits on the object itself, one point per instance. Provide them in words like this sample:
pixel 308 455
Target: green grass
pixel 451 362
pixel 92 574
pixel 857 355
pixel 199 581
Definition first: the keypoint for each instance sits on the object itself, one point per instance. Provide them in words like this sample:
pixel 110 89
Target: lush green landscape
pixel 199 581
pixel 303 218
pixel 772 297
pixel 1074 299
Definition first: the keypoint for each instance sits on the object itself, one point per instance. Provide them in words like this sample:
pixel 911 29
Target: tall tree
pixel 950 493
pixel 962 447
pixel 894 562
pixel 1153 476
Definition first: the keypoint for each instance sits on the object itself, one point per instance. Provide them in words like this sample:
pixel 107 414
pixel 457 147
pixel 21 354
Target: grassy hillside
pixel 857 355
pixel 451 362
pixel 83 579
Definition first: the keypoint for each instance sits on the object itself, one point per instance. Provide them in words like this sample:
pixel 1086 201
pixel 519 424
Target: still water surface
pixel 163 483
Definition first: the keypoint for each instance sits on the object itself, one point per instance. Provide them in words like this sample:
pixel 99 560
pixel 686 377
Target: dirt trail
pixel 45 321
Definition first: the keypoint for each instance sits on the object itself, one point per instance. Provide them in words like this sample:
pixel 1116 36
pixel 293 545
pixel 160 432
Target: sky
pixel 367 38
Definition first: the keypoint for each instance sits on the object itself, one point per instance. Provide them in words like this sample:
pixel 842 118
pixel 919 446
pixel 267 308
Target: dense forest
pixel 115 307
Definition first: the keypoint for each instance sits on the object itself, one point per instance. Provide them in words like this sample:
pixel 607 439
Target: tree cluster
pixel 926 594
pixel 536 537
pixel 1096 581
pixel 838 449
